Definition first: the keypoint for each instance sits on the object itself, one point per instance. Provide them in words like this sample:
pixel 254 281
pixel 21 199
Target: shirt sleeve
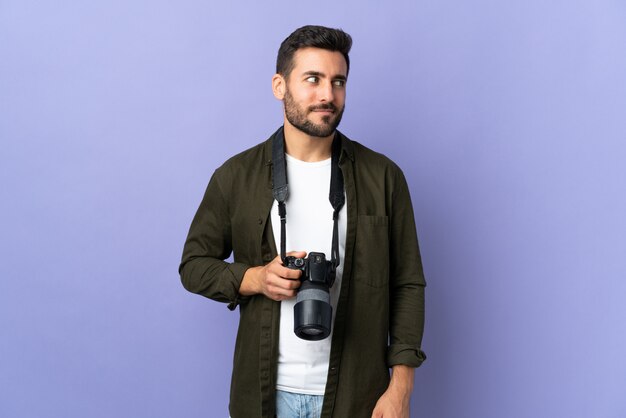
pixel 407 281
pixel 209 242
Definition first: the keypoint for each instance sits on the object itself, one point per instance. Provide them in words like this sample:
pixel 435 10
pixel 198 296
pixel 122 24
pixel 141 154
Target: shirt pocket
pixel 371 250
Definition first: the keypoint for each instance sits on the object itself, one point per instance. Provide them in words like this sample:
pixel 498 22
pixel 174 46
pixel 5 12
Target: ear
pixel 278 86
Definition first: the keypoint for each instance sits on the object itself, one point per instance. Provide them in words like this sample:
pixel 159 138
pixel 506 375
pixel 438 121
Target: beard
pixel 297 116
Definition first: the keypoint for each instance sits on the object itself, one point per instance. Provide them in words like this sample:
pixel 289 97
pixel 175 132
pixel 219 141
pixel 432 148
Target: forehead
pixel 331 63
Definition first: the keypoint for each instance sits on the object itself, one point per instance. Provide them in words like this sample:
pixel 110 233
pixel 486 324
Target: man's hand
pixel 274 280
pixel 394 403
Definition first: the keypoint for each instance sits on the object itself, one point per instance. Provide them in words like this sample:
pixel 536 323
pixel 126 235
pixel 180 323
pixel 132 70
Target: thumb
pixel 297 254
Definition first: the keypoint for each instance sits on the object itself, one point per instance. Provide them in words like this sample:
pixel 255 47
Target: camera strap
pixel 281 191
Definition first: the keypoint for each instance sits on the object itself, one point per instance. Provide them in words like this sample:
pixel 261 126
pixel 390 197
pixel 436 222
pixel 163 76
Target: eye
pixel 339 83
pixel 312 79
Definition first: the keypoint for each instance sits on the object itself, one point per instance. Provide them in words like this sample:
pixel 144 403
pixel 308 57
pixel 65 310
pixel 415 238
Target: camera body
pixel 315 268
pixel 312 311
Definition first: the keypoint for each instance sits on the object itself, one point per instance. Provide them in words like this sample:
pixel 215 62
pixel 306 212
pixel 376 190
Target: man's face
pixel 315 91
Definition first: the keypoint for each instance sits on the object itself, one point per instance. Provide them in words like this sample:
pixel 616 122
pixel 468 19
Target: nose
pixel 326 93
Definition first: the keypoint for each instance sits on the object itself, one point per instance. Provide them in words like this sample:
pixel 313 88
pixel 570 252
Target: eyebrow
pixel 320 74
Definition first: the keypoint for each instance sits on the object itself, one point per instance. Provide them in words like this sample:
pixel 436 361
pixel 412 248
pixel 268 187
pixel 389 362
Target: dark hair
pixel 315 37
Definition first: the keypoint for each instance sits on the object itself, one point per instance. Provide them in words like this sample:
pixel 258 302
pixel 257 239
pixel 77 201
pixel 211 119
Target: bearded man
pixel 327 272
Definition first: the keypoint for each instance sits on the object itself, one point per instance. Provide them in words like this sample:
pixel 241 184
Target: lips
pixel 323 109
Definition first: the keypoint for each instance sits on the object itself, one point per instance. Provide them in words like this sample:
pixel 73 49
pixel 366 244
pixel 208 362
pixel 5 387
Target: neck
pixel 305 147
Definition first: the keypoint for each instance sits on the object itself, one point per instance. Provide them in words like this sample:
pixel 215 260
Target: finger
pixel 291 284
pixel 283 283
pixel 282 271
pixel 287 273
pixel 278 293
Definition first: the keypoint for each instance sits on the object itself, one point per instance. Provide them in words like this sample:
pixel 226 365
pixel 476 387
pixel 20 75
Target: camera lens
pixel 312 312
pixel 299 262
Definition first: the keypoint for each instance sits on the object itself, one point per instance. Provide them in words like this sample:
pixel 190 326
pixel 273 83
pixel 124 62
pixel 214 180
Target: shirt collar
pixel 347 148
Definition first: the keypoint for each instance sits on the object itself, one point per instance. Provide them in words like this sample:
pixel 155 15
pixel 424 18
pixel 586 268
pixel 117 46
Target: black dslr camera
pixel 312 311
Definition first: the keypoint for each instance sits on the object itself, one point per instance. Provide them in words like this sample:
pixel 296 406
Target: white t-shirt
pixel 303 365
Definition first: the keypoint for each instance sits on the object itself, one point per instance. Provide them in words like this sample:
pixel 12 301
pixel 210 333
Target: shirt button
pixel 267 257
pixel 260 221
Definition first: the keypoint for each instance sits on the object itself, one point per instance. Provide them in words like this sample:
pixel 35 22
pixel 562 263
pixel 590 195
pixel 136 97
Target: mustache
pixel 324 106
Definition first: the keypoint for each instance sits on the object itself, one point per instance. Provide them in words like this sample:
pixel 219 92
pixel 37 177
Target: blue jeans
pixel 296 405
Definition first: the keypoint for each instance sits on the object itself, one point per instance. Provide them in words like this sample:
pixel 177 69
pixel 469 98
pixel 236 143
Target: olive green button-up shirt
pixel 380 313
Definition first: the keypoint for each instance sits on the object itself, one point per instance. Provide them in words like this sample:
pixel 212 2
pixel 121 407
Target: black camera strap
pixel 281 191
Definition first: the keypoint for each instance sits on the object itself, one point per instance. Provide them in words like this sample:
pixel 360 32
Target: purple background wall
pixel 507 117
